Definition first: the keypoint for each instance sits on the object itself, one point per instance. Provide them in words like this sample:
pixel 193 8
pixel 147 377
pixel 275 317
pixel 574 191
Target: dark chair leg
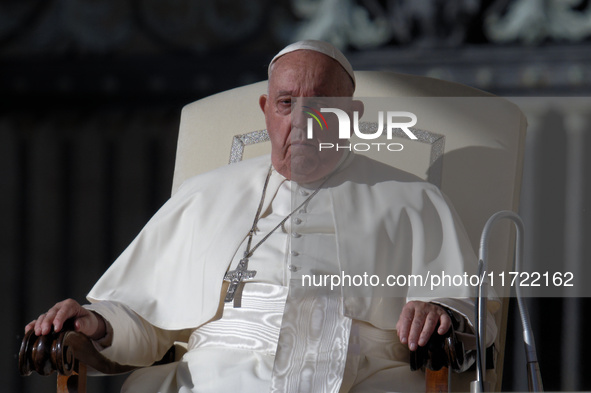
pixel 74 383
pixel 437 381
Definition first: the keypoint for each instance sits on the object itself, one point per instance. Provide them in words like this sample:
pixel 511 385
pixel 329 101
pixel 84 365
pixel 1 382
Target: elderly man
pixel 204 272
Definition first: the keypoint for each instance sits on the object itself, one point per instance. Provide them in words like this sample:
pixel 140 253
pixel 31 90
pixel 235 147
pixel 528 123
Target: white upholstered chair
pixel 474 152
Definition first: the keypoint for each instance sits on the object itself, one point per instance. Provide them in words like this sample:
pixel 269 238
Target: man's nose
pixel 297 133
pixel 298 118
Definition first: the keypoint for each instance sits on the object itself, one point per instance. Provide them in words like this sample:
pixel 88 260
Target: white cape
pixel 387 222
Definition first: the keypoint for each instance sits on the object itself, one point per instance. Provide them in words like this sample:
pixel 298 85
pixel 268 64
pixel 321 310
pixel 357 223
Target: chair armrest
pixel 62 352
pixel 441 351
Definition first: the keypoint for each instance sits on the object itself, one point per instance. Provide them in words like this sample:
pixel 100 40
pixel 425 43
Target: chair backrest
pixel 478 165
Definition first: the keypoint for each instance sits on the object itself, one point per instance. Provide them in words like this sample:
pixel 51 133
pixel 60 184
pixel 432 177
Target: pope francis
pixel 221 266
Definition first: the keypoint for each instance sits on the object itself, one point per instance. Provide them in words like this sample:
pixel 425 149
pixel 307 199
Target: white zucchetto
pixel 318 46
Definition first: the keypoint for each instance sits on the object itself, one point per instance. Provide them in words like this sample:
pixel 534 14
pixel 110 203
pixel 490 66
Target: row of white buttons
pixel 297 221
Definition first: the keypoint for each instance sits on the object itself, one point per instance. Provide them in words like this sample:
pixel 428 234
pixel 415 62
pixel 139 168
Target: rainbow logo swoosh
pixel 316 115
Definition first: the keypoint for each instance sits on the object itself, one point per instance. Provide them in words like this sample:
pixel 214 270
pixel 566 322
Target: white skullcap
pixel 318 46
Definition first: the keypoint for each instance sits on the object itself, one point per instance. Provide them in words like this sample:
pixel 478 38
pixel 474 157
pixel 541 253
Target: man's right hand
pixel 87 322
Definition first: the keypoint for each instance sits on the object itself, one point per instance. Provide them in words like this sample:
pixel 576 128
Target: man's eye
pixel 284 106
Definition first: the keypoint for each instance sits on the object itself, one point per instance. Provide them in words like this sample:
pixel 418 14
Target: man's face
pixel 302 73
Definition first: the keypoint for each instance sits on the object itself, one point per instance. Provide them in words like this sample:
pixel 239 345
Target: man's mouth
pixel 301 143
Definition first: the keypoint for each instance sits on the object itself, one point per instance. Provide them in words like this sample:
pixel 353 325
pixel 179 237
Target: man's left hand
pixel 417 323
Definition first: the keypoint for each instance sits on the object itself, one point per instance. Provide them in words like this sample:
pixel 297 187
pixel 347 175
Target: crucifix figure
pixel 236 277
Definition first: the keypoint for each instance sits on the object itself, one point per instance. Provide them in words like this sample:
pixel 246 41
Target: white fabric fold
pixel 314 337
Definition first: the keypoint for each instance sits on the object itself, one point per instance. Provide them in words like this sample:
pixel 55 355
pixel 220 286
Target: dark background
pixel 91 94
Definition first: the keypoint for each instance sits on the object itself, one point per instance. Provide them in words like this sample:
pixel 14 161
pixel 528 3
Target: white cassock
pixel 289 335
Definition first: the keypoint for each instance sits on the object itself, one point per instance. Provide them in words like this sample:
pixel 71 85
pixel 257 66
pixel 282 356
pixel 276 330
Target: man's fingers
pixel 84 325
pixel 47 320
pixel 91 324
pixel 39 325
pixel 428 328
pixel 416 328
pixel 85 322
pixel 55 317
pixel 444 324
pixel 64 313
pixel 404 322
pixel 418 321
pixel 30 326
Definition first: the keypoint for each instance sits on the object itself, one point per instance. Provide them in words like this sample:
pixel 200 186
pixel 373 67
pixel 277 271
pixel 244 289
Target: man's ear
pixel 263 102
pixel 358 107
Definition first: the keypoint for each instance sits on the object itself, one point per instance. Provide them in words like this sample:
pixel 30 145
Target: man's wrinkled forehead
pixel 317 46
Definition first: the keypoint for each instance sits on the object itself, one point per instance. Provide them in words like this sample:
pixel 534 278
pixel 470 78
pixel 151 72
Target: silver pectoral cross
pixel 237 276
